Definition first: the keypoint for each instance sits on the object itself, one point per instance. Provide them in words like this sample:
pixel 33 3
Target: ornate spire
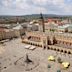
pixel 41 16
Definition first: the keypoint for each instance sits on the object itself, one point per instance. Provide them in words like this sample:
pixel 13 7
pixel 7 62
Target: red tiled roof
pixel 2 29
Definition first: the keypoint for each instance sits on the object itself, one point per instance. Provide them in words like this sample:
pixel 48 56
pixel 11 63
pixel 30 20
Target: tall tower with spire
pixel 41 23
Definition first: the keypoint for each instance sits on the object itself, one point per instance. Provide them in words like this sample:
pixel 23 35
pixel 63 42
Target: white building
pixel 65 27
pixel 33 27
pixel 18 30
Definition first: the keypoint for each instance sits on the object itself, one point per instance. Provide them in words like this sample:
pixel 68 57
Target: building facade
pixel 48 39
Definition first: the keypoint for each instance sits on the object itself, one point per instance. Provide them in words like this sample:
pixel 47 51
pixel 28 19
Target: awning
pixel 51 58
pixel 66 64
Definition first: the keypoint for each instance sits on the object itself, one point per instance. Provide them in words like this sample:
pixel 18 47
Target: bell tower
pixel 41 23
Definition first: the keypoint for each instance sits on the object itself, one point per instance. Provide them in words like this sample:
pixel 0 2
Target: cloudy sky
pixel 23 7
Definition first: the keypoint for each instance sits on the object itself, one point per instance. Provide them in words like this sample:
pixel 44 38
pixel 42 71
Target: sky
pixel 25 7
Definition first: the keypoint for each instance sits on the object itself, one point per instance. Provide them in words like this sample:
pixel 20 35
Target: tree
pixel 59 60
pixel 66 30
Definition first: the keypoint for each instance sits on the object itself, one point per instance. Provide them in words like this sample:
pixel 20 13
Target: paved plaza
pixel 13 50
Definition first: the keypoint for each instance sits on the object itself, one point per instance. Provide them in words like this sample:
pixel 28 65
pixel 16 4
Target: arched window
pixel 54 41
pixel 55 49
pixel 58 50
pixel 69 52
pixel 65 51
pixel 61 50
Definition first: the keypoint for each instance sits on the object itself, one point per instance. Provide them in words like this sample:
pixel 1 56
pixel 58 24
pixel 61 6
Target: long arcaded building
pixel 59 41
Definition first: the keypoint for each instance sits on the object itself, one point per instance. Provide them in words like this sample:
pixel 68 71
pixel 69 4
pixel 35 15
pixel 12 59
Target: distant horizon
pixel 28 7
pixel 38 14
